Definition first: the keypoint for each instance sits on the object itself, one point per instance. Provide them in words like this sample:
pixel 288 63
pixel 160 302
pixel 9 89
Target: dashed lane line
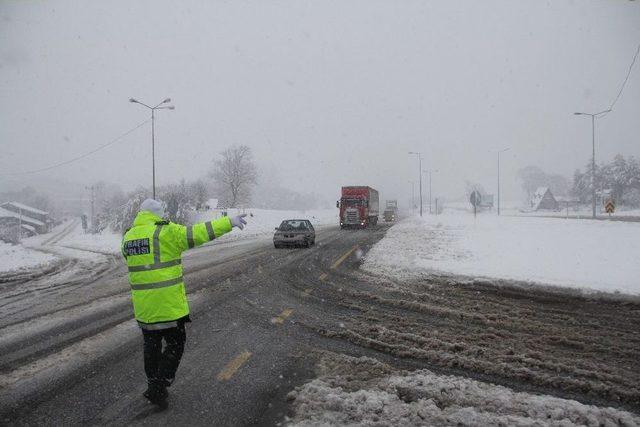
pixel 336 264
pixel 281 318
pixel 343 258
pixel 233 366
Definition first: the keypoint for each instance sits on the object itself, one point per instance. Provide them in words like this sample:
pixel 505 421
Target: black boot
pixel 157 393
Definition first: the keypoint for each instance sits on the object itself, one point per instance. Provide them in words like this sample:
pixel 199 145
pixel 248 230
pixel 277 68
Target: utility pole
pixel 19 224
pixel 93 196
pixel 419 175
pixel 160 106
pixel 500 151
pixel 593 156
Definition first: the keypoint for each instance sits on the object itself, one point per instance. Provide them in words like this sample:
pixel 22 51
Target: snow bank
pixel 596 255
pixel 365 392
pixel 17 257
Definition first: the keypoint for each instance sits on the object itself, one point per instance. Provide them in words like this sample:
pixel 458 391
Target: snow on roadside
pixel 14 258
pixel 261 224
pixel 365 392
pixel 106 242
pixel 593 255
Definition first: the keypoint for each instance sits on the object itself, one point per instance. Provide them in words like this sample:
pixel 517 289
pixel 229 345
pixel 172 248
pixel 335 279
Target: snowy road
pixel 263 318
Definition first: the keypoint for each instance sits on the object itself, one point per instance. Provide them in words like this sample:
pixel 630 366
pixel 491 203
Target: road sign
pixel 609 206
pixel 475 198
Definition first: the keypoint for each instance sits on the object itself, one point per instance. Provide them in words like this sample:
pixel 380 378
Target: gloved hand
pixel 238 221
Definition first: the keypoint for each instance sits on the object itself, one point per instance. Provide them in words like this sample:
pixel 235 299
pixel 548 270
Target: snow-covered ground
pixel 365 392
pixel 596 255
pixel 18 257
pixel 261 222
pixel 106 242
pixel 508 208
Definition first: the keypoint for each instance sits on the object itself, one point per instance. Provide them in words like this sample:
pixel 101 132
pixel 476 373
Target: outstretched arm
pixel 201 233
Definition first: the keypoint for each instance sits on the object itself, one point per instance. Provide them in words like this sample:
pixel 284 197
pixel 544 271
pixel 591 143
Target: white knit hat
pixel 153 206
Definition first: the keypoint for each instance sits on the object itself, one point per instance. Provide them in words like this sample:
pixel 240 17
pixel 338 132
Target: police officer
pixel 153 250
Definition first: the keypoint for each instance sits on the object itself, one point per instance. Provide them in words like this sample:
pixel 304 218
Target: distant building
pixel 543 200
pixel 10 224
pixel 32 219
pixel 486 201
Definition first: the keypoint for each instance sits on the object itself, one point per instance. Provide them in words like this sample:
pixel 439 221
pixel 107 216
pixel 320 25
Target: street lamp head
pixel 166 100
pixel 171 107
pixel 132 100
pixel 578 114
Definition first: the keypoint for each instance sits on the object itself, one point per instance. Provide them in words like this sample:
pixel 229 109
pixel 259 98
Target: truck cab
pixel 391 211
pixel 358 207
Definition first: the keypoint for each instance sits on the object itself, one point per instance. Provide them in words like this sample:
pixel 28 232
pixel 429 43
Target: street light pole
pixel 593 156
pixel 500 151
pixel 153 151
pixel 413 195
pixel 160 106
pixel 419 175
pixel 429 172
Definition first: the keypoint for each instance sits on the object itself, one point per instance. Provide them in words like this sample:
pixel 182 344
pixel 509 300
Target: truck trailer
pixel 359 206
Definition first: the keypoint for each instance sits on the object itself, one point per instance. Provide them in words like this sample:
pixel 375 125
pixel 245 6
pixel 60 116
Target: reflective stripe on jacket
pixel 153 250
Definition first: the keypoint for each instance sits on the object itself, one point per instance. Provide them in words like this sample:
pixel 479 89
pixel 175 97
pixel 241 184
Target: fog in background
pixel 326 93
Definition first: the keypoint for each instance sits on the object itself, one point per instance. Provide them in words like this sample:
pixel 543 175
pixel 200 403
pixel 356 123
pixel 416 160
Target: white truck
pixel 391 211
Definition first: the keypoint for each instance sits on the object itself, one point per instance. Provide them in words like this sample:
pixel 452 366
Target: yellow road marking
pixel 280 319
pixel 233 366
pixel 343 257
pixel 323 276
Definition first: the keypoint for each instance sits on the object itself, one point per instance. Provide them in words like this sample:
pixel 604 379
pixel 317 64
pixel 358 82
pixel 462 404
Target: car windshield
pixel 292 225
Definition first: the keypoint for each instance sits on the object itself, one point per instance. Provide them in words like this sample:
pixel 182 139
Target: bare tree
pixel 234 174
pixel 198 193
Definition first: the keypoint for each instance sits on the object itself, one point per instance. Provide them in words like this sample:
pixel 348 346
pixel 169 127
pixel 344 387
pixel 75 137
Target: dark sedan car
pixel 294 232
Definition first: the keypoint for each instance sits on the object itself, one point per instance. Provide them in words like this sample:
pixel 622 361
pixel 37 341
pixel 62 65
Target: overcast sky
pixel 326 93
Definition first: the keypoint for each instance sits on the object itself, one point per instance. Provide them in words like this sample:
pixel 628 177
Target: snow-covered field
pixel 509 208
pixel 365 392
pixel 596 255
pixel 18 257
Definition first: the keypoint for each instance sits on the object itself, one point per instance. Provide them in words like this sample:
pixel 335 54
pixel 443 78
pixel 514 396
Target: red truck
pixel 358 206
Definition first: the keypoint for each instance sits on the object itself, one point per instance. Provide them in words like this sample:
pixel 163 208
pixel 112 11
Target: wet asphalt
pixel 250 343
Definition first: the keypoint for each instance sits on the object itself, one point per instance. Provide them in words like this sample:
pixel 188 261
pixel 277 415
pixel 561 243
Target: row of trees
pixel 532 177
pixel 233 176
pixel 621 176
pixel 116 209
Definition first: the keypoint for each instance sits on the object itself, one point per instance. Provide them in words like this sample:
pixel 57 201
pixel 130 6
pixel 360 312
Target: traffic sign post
pixel 475 198
pixel 609 207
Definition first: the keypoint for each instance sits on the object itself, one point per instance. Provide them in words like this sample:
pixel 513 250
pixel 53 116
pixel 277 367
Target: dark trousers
pixel 161 364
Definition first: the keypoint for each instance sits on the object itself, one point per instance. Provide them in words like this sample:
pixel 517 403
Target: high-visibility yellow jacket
pixel 153 250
